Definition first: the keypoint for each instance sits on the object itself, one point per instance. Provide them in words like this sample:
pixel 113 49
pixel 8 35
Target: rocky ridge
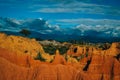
pixel 16 64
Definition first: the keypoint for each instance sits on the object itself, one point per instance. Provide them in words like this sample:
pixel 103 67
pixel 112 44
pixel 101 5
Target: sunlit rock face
pixel 80 50
pixel 91 50
pixel 114 49
pixel 23 67
pixel 99 64
pixel 100 68
pixel 22 45
pixel 58 59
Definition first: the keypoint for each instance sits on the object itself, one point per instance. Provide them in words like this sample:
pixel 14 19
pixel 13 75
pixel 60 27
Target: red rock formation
pixel 58 58
pixel 23 45
pixel 80 50
pixel 101 68
pixel 20 44
pixel 9 71
pixel 101 65
pixel 113 50
pixel 21 60
pixel 17 67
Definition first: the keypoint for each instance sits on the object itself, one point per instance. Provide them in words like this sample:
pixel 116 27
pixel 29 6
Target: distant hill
pixel 41 30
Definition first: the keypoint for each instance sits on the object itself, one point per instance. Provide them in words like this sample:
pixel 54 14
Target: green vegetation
pixel 51 49
pixel 63 49
pixel 104 46
pixel 79 42
pixel 39 57
pixel 25 32
pixel 86 54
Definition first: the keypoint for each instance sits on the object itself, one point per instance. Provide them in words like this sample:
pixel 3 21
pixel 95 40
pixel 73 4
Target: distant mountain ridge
pixel 42 30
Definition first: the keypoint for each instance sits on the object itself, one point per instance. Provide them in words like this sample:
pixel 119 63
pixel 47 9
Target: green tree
pixel 25 32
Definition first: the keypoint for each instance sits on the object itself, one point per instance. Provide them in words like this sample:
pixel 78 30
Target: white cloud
pixel 54 10
pixel 115 34
pixel 64 6
pixel 108 27
pixel 39 25
pixel 97 22
pixel 48 31
pixel 104 29
pixel 77 7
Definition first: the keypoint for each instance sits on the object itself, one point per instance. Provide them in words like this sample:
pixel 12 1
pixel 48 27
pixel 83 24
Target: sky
pixel 81 15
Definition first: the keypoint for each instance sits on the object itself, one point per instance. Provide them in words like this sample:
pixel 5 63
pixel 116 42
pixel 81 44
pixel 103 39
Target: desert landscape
pixel 59 39
pixel 23 58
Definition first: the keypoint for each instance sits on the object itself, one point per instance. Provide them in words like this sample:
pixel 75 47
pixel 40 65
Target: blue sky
pixel 75 14
pixel 60 9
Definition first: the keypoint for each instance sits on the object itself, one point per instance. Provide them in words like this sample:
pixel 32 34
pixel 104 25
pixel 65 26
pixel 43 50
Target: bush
pixel 39 57
pixel 51 49
pixel 86 54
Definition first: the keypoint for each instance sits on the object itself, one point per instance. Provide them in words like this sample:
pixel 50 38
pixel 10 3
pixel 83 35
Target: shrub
pixel 39 57
pixel 86 54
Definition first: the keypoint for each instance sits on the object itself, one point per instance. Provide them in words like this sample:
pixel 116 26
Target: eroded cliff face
pixel 80 50
pixel 15 64
pixel 100 68
pixel 113 50
pixel 24 67
pixel 91 50
pixel 21 45
pixel 59 59
pixel 98 64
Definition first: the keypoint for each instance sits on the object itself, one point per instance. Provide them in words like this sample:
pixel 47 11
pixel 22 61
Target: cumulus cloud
pixel 84 27
pixel 38 25
pixel 100 27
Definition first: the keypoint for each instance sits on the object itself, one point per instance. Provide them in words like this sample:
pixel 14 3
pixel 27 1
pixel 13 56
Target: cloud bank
pixel 83 27
pixel 77 7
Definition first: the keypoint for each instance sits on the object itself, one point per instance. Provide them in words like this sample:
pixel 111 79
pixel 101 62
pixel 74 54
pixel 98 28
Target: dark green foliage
pixel 86 54
pixel 63 49
pixel 25 32
pixel 39 57
pixel 80 42
pixel 105 46
pixel 51 49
